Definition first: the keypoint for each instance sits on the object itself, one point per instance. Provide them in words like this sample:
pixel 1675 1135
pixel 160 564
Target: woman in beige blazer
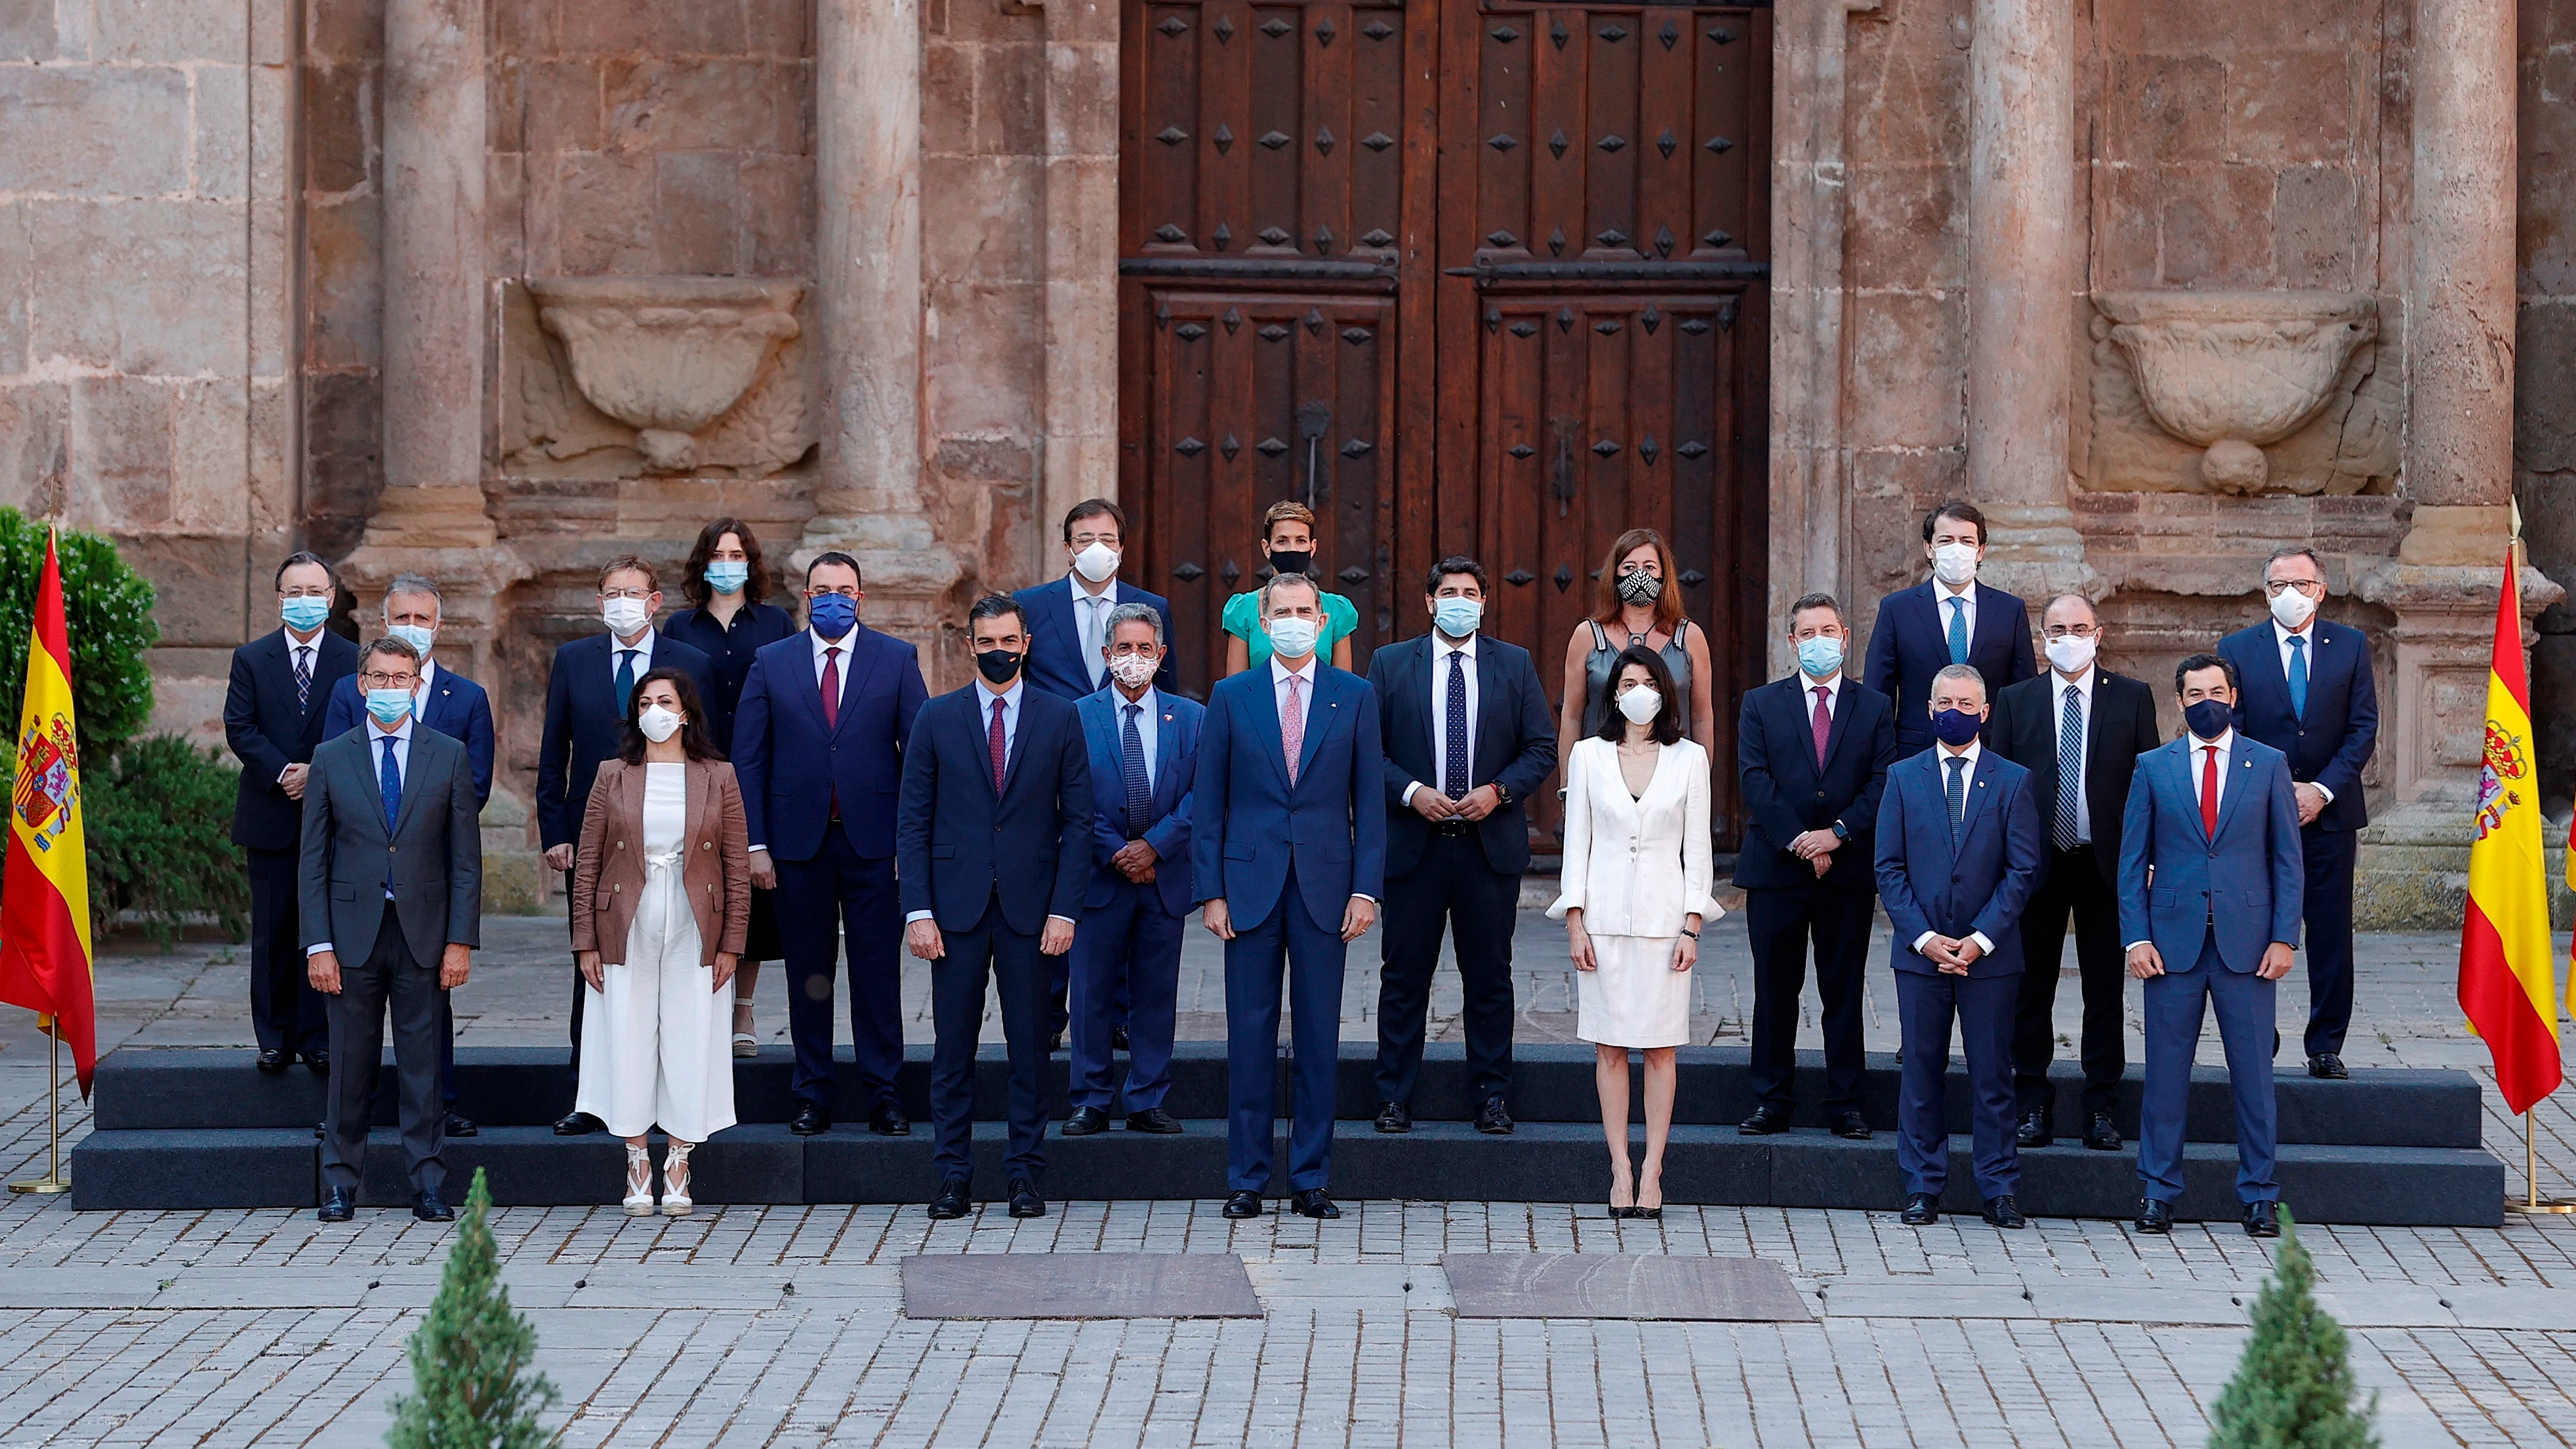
pixel 661 904
pixel 1636 890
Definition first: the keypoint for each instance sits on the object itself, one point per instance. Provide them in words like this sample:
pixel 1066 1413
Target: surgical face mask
pixel 1956 727
pixel 1820 656
pixel 997 665
pixel 1132 670
pixel 1292 637
pixel 624 617
pixel 305 612
pixel 2071 653
pixel 727 576
pixel 2292 608
pixel 1457 617
pixel 1641 587
pixel 1955 563
pixel 1641 703
pixel 657 723
pixel 388 705
pixel 1097 562
pixel 414 635
pixel 2208 718
pixel 1292 560
pixel 832 614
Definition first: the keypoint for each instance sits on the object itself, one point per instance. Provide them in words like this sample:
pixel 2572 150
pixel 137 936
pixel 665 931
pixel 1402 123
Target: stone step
pixel 218 1087
pixel 1542 1162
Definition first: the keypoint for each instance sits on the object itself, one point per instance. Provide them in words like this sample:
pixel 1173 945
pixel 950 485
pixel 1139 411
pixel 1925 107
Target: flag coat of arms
pixel 2508 974
pixel 44 905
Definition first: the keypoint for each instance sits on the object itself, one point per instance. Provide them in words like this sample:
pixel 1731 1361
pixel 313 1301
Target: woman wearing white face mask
pixel 661 902
pixel 1636 892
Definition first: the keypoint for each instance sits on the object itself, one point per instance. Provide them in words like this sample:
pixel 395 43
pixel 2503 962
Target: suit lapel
pixel 1323 705
pixel 2267 668
pixel 2240 782
pixel 1979 793
pixel 1264 708
pixel 1836 731
pixel 413 758
pixel 1167 745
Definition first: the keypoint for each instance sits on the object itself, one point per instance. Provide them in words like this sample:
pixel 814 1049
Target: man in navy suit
pixel 818 742
pixel 1812 752
pixel 1469 736
pixel 586 692
pixel 274 708
pixel 2210 886
pixel 993 846
pixel 1288 855
pixel 1127 952
pixel 1949 619
pixel 2308 693
pixel 1958 853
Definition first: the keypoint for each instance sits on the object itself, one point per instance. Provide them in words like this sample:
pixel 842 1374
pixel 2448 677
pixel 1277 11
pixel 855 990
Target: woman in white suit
pixel 1636 886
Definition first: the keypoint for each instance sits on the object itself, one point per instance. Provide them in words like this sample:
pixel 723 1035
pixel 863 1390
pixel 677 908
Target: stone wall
pixel 2545 357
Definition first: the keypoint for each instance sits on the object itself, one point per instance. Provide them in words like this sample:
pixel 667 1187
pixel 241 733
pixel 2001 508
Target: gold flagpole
pixel 53 1181
pixel 2532 1201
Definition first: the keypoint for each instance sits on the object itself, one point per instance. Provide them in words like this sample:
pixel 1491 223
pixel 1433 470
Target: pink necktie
pixel 1292 725
pixel 1824 723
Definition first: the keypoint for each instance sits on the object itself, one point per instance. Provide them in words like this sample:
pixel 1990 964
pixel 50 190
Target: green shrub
pixel 159 817
pixel 474 1358
pixel 2293 1389
pixel 108 609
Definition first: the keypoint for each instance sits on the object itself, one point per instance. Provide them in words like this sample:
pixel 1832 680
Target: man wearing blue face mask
pixel 1468 736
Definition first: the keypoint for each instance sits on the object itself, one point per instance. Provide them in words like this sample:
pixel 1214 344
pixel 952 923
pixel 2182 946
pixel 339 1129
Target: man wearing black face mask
pixel 993 852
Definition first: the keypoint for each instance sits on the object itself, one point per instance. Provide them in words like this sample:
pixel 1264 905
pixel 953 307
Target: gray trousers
pixel 357 1016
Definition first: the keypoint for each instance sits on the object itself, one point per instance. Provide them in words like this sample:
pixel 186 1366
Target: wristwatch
pixel 1502 796
pixel 1841 831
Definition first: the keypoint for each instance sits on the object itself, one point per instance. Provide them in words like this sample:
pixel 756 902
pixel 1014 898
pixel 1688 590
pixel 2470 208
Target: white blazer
pixel 1636 866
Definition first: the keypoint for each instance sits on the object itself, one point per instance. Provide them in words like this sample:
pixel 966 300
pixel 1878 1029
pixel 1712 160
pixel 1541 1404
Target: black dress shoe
pixel 1025 1202
pixel 575 1124
pixel 1765 1122
pixel 886 1121
pixel 2261 1221
pixel 2155 1217
pixel 272 1060
pixel 429 1207
pixel 459 1125
pixel 1922 1210
pixel 2003 1212
pixel 1243 1205
pixel 2326 1066
pixel 2033 1130
pixel 338 1206
pixel 1394 1117
pixel 2102 1136
pixel 951 1201
pixel 1494 1120
pixel 1851 1125
pixel 1154 1120
pixel 1313 1202
pixel 1118 1038
pixel 1085 1121
pixel 319 1059
pixel 808 1119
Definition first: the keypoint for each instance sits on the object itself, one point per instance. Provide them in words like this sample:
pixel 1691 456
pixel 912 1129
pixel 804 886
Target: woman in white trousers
pixel 1636 890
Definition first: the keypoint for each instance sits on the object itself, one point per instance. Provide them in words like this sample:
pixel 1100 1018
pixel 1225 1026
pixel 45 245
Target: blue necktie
pixel 625 678
pixel 1958 630
pixel 390 779
pixel 1958 795
pixel 1131 760
pixel 2070 768
pixel 2299 675
pixel 1453 777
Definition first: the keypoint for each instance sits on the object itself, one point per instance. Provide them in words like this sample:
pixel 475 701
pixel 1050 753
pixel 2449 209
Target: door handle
pixel 1314 421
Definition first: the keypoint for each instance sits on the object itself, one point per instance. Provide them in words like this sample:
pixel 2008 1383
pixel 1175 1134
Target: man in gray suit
pixel 392 882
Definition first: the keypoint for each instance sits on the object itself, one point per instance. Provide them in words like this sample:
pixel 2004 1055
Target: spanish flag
pixel 44 904
pixel 2508 973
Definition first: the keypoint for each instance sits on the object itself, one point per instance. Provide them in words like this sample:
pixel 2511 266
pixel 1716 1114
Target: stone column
pixel 2022 269
pixel 1080 404
pixel 868 501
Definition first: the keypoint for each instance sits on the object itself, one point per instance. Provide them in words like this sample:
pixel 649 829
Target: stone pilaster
pixel 1081 398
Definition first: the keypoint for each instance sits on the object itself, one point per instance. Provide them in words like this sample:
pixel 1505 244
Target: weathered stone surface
pixel 95 131
pixel 27 30
pixel 120 451
pixel 127 285
pixel 165 30
pixel 2232 371
pixel 667 356
pixel 1908 366
pixel 696 206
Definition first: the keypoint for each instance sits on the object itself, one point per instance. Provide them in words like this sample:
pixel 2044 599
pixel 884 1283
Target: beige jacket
pixel 608 867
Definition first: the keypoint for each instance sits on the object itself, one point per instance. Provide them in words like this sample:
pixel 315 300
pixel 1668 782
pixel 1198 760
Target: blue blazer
pixel 1785 794
pixel 1332 823
pixel 2332 744
pixel 959 847
pixel 1176 760
pixel 790 765
pixel 2175 880
pixel 1911 642
pixel 457 707
pixel 583 722
pixel 1515 746
pixel 267 732
pixel 1055 662
pixel 1982 885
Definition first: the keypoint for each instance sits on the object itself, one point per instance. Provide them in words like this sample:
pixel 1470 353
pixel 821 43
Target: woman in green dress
pixel 1288 543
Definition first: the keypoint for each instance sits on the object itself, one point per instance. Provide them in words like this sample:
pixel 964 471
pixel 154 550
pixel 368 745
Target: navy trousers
pixel 1126 967
pixel 2071 890
pixel 1311 956
pixel 1779 922
pixel 820 900
pixel 1455 888
pixel 286 1013
pixel 1983 1008
pixel 2243 1003
pixel 2329 856
pixel 1019 976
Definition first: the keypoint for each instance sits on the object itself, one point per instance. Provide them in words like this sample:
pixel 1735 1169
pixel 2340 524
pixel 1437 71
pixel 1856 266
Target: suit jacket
pixel 609 872
pixel 1514 746
pixel 2331 745
pixel 1248 824
pixel 1911 642
pixel 1978 886
pixel 1055 663
pixel 1785 794
pixel 1176 759
pixel 793 766
pixel 959 847
pixel 2176 882
pixel 433 857
pixel 456 707
pixel 267 732
pixel 584 720
pixel 2119 727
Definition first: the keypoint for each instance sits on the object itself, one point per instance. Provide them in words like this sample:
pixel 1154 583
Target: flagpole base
pixel 43 1186
pixel 2545 1205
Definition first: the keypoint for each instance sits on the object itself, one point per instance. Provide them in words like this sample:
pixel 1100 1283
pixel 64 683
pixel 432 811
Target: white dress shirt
pixel 2281 640
pixel 1091 623
pixel 642 649
pixel 1941 597
pixel 822 644
pixel 1149 714
pixel 1442 651
pixel 376 733
pixel 2225 745
pixel 2082 687
pixel 1010 699
pixel 1280 674
pixel 1808 684
pixel 1942 754
pixel 308 653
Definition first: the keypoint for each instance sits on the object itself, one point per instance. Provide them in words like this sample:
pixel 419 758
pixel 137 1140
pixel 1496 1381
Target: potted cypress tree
pixel 2293 1388
pixel 471 1358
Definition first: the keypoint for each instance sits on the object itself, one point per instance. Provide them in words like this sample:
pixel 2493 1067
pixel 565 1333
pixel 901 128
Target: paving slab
pixel 1097 1285
pixel 1406 1287
pixel 1623 1285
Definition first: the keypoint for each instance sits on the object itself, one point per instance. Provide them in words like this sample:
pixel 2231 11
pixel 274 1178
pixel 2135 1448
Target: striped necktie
pixel 2070 767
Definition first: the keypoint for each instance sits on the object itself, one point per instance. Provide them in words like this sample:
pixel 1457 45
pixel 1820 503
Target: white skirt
pixel 1636 999
pixel 657 1042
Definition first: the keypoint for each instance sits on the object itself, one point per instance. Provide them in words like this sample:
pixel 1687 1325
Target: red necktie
pixel 1824 723
pixel 832 689
pixel 998 743
pixel 2209 791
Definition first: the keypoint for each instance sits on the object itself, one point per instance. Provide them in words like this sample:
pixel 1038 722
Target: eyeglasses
pixel 847 592
pixel 636 594
pixel 2313 588
pixel 2070 631
pixel 299 591
pixel 1086 540
pixel 389 681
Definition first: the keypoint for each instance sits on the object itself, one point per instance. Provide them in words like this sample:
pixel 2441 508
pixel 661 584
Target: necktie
pixel 1958 794
pixel 2209 791
pixel 1131 760
pixel 2299 675
pixel 2070 767
pixel 1453 774
pixel 1094 610
pixel 1292 725
pixel 625 676
pixel 1823 721
pixel 303 676
pixel 832 689
pixel 998 744
pixel 389 779
pixel 1958 630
